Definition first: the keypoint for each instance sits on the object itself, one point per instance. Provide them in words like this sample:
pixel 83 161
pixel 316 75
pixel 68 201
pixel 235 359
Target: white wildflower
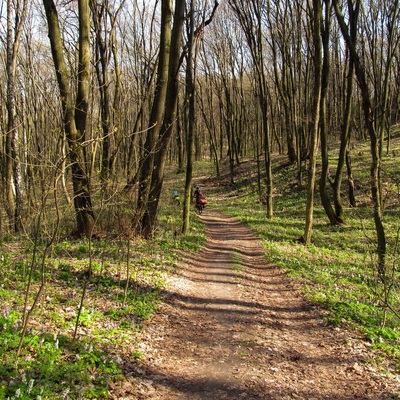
pixel 65 392
pixel 30 385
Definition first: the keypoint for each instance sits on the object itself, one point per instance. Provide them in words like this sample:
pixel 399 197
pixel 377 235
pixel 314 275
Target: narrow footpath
pixel 235 327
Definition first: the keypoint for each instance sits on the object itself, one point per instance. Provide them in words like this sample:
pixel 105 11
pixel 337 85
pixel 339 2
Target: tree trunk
pixel 317 18
pixel 179 141
pixel 324 179
pixel 105 46
pixel 157 177
pixel 102 52
pixel 250 19
pixel 350 180
pixel 9 156
pixel 344 154
pixel 190 123
pixel 75 116
pixel 13 171
pixel 268 163
pixel 142 217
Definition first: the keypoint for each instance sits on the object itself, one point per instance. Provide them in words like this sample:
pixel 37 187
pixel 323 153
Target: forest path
pixel 235 327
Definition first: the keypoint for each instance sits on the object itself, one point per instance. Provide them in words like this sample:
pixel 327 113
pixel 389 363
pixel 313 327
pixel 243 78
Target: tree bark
pixel 190 122
pixel 105 46
pixel 75 116
pixel 344 153
pixel 13 170
pixel 249 17
pixel 334 219
pixel 142 216
pixel 316 23
pixel 102 51
pixel 157 177
pixel 350 181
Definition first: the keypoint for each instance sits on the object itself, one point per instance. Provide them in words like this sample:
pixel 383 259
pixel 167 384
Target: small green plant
pixel 146 304
pixel 65 272
pixel 237 263
pixel 90 316
pixel 137 354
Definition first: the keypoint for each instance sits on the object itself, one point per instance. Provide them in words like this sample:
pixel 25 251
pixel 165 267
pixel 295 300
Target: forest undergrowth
pixel 85 302
pixel 71 311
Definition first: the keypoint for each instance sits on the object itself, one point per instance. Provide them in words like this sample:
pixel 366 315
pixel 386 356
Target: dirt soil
pixel 234 326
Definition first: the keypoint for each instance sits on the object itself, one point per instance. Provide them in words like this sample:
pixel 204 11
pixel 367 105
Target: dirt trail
pixel 235 327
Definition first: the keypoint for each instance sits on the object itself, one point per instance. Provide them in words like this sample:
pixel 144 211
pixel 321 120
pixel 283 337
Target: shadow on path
pixel 233 326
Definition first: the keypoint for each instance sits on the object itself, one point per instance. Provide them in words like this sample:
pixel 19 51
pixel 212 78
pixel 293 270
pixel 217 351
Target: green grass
pixel 237 263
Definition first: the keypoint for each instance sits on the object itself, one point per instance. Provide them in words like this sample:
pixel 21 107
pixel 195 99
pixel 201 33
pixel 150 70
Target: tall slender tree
pixel 16 15
pixel 345 133
pixel 190 120
pixel 315 15
pixel 104 22
pixel 334 218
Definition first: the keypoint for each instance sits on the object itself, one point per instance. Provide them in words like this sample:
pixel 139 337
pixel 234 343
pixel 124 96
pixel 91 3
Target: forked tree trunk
pixel 75 116
pixel 148 221
pixel 344 154
pixel 157 176
pixel 333 217
pixel 142 215
pixel 375 139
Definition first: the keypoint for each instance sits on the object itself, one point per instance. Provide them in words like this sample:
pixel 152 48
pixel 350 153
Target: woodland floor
pixel 232 326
